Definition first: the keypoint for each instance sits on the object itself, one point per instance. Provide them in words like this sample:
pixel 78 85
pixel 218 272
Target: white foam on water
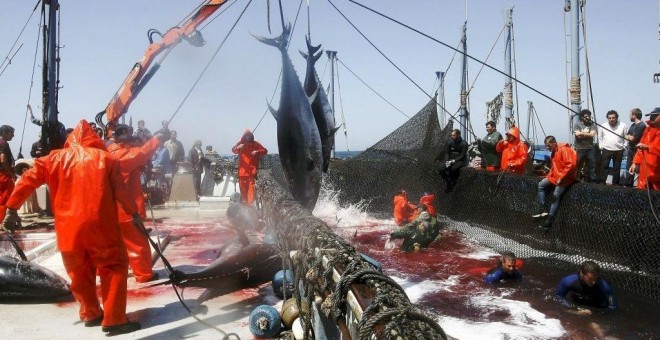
pixel 416 290
pixel 328 209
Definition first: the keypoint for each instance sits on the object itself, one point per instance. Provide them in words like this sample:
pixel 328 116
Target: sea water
pixel 446 280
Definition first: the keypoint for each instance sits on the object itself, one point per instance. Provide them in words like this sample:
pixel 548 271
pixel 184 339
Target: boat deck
pixel 193 238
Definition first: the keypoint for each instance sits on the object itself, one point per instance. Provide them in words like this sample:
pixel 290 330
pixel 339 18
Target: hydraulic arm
pixel 143 70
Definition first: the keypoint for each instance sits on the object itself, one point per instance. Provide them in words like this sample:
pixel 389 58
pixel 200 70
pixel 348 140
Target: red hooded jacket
pixel 514 154
pixel 248 160
pixel 564 166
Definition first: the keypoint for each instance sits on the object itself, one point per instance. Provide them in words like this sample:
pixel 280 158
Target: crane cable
pixel 8 59
pixel 341 105
pixel 208 64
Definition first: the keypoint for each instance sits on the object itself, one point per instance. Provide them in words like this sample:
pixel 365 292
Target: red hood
pixel 84 135
pixel 514 132
pixel 247 136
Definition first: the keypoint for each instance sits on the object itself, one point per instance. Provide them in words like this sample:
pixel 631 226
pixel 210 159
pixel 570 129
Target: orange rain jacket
pixel 564 166
pixel 514 154
pixel 84 182
pixel 428 201
pixel 247 162
pixel 648 161
pixel 132 159
pixel 404 211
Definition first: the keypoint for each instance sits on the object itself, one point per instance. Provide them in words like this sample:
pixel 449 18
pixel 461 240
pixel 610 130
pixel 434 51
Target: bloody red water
pixel 447 280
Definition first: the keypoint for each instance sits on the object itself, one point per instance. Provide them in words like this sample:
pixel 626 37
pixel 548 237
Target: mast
pixel 508 86
pixel 50 136
pixel 464 114
pixel 575 87
pixel 441 98
pixel 332 55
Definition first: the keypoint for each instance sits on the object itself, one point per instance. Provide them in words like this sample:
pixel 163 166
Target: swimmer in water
pixel 505 270
pixel 580 291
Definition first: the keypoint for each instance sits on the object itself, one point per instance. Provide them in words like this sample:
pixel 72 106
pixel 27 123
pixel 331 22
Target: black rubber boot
pixel 124 328
pixel 94 322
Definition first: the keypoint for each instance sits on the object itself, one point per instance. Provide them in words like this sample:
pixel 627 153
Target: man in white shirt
pixel 611 145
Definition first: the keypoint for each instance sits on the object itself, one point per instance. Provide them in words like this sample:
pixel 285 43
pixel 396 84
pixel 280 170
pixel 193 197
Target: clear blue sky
pixel 103 39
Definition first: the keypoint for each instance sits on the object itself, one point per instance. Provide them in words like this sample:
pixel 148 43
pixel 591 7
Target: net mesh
pixel 611 225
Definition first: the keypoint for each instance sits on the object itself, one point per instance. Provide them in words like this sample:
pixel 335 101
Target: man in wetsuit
pixel 453 159
pixel 418 233
pixel 505 270
pixel 585 289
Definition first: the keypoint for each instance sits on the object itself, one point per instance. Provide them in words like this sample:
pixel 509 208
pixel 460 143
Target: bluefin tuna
pixel 323 114
pixel 298 138
pixel 22 279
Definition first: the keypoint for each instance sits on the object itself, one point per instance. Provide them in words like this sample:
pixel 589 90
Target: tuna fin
pixel 333 131
pixel 280 42
pixel 17 248
pixel 311 48
pixel 303 54
pixel 272 111
pixel 312 96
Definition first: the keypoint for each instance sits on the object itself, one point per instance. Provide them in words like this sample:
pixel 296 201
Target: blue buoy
pixel 265 322
pixel 279 281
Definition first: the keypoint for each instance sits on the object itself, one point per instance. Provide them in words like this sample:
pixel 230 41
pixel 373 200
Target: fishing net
pixel 611 225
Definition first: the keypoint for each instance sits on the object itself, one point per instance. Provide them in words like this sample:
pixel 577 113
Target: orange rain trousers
pixel 84 181
pixel 246 185
pixel 6 188
pixel 132 159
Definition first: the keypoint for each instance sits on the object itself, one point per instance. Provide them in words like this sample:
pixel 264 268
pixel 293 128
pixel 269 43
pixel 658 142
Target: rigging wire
pixel 397 67
pixel 372 89
pixel 34 66
pixel 7 59
pixel 216 16
pixel 277 83
pixel 471 57
pixel 515 71
pixel 586 59
pixel 341 105
pixel 209 62
pixel 568 99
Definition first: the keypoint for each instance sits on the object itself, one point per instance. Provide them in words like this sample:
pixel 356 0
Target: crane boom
pixel 141 72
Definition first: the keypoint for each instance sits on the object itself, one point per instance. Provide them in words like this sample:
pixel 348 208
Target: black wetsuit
pixel 573 291
pixel 497 274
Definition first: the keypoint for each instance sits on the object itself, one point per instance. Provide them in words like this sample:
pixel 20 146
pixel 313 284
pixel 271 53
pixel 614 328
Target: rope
pixel 586 59
pixel 7 59
pixel 371 88
pixel 216 16
pixel 209 62
pixel 341 106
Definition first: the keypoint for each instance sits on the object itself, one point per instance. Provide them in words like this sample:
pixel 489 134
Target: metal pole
pixel 464 115
pixel 508 86
pixel 576 86
pixel 441 97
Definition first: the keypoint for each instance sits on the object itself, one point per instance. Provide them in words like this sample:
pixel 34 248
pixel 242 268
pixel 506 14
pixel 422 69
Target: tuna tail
pixel 272 110
pixel 280 42
pixel 312 49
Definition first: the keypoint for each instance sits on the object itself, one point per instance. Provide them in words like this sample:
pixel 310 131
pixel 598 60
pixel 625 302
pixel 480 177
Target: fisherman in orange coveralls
pixel 404 211
pixel 647 157
pixel 7 175
pixel 132 158
pixel 84 181
pixel 248 151
pixel 427 199
pixel 514 152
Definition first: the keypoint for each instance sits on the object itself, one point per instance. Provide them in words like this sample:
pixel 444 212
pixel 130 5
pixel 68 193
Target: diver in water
pixel 418 233
pixel 585 289
pixel 505 270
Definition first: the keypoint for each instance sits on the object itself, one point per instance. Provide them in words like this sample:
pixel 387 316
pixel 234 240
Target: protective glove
pixel 447 164
pixel 12 221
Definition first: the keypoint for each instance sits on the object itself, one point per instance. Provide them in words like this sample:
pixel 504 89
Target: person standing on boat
pixel 487 146
pixel 175 149
pixel 142 133
pixel 647 158
pixel 133 157
pixel 7 175
pixel 197 161
pixel 611 147
pixel 584 131
pixel 505 270
pixel 248 151
pixel 404 211
pixel 633 137
pixel 585 289
pixel 562 174
pixel 85 183
pixel 453 160
pixel 514 152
